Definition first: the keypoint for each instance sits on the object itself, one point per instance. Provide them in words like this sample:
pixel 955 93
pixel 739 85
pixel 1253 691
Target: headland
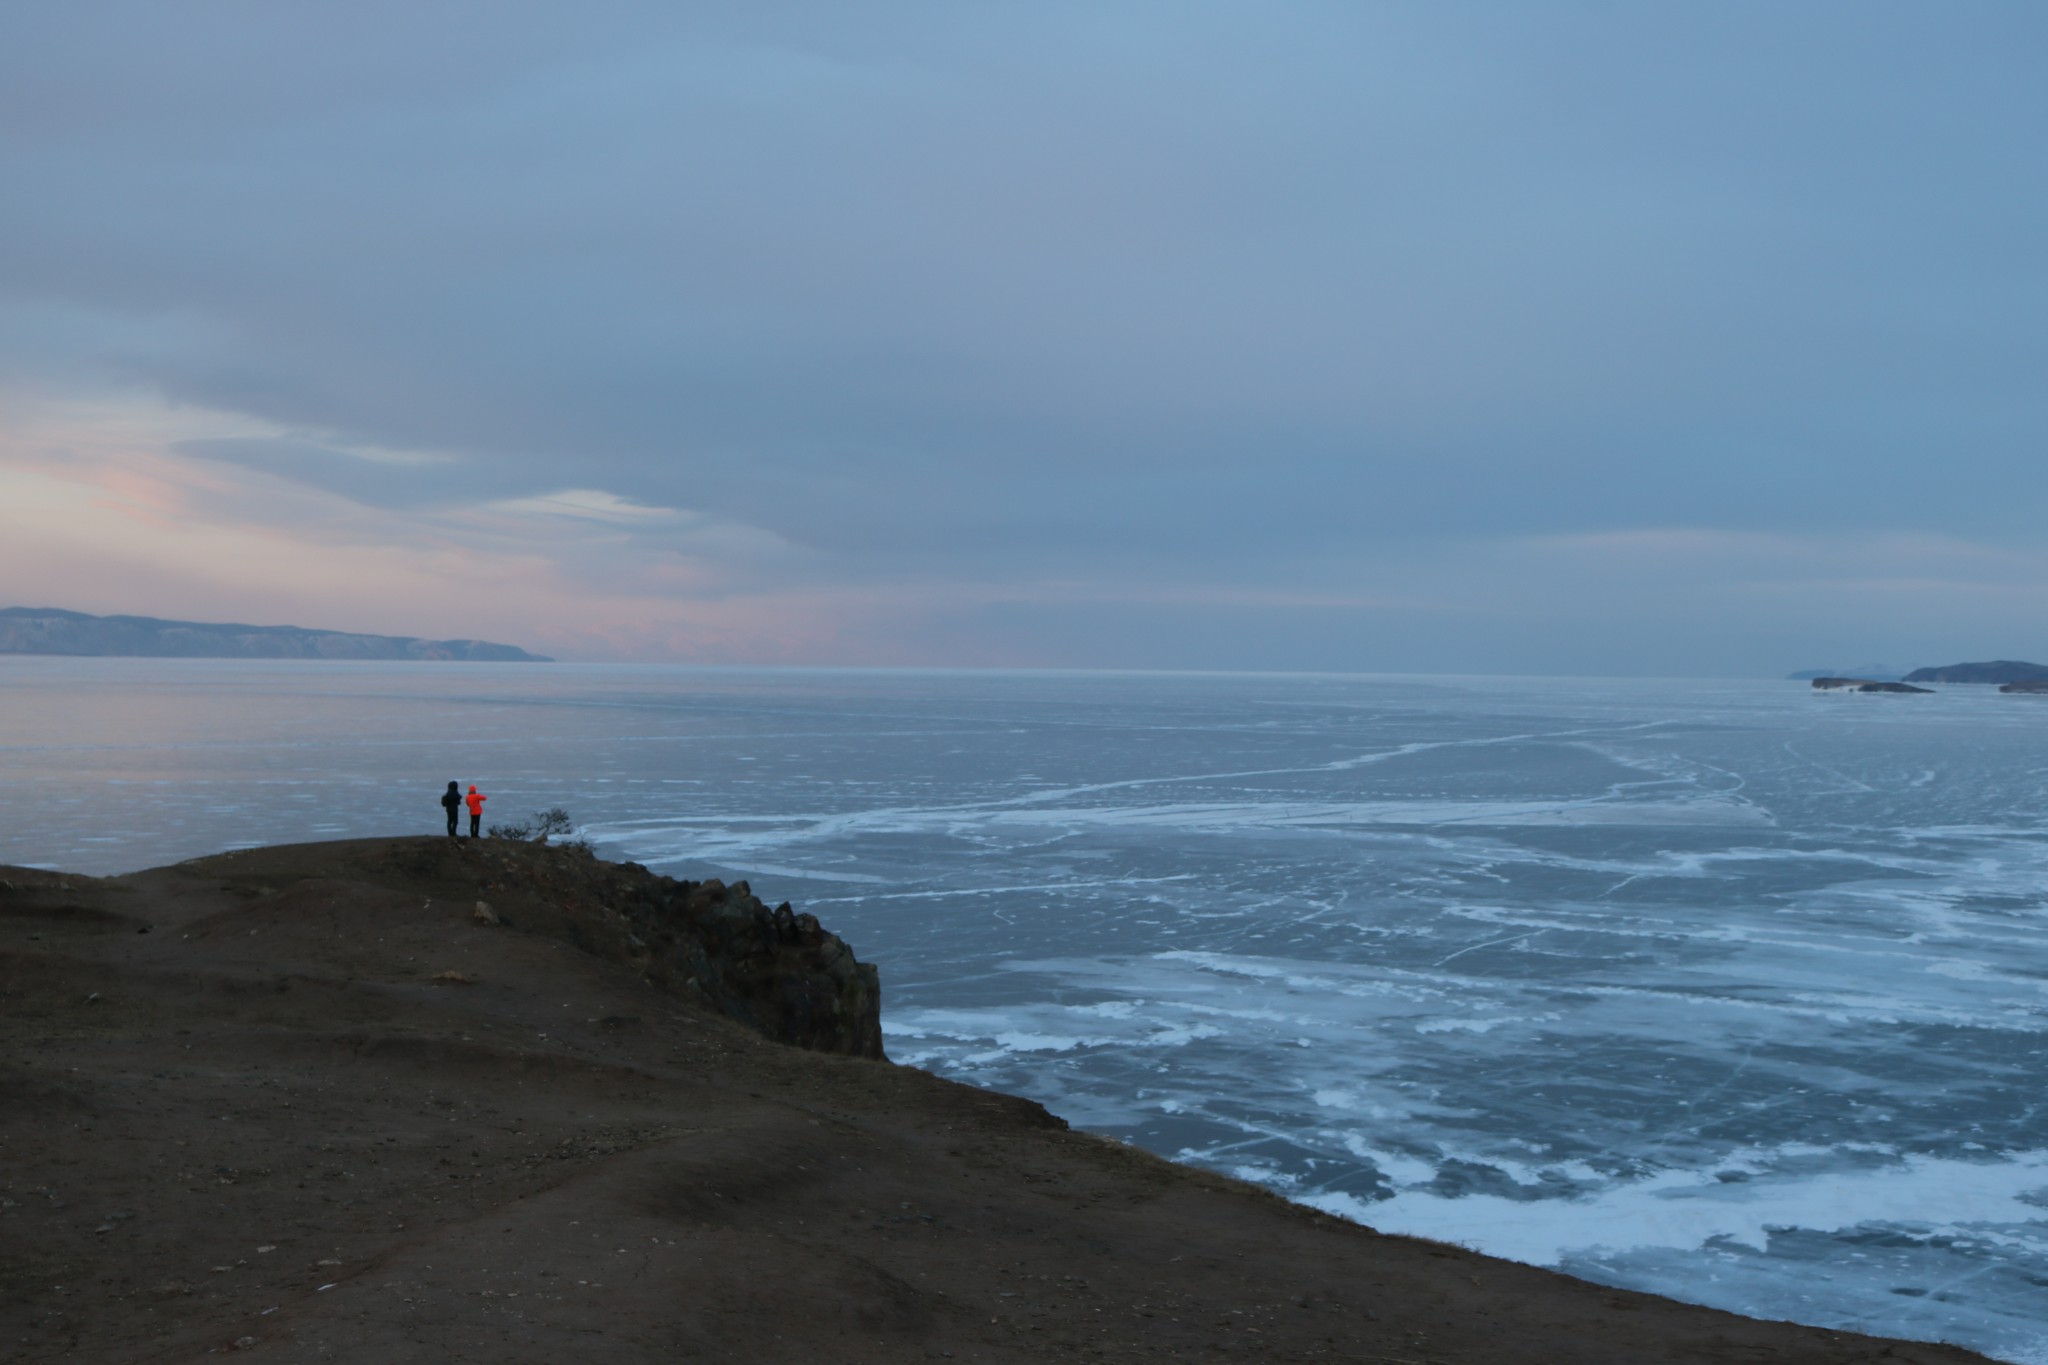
pixel 50 630
pixel 426 1100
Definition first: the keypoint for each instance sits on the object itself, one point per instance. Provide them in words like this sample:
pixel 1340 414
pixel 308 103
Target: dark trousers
pixel 451 822
pixel 474 821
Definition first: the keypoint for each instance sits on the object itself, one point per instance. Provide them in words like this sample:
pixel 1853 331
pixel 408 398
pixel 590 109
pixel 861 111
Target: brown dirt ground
pixel 238 1113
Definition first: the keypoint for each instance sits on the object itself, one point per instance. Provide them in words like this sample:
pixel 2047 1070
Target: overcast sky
pixel 1548 336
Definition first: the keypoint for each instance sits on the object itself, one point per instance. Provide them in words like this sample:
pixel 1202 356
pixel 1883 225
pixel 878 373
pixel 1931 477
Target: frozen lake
pixel 1720 990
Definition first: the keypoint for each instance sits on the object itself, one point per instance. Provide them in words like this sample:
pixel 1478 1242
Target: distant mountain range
pixel 1996 671
pixel 48 630
pixel 1993 671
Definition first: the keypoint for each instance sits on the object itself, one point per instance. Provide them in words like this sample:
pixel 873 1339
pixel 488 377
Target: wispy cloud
pixel 589 504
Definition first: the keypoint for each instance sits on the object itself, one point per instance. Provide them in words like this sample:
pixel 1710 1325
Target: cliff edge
pixel 777 972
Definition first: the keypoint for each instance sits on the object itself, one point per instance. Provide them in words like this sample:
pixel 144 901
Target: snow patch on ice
pixel 1918 1196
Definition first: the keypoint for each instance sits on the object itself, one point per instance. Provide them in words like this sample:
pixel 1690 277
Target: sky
pixel 1505 336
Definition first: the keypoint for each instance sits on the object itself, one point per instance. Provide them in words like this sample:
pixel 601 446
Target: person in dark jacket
pixel 451 801
pixel 475 801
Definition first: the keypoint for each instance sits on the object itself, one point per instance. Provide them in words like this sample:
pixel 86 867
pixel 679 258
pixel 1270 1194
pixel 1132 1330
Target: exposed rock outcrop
pixel 2038 685
pixel 776 971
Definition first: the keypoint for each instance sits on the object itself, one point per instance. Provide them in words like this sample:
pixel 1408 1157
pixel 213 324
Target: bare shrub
pixel 552 823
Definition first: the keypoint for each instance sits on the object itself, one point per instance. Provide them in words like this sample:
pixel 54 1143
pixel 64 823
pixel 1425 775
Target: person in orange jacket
pixel 475 801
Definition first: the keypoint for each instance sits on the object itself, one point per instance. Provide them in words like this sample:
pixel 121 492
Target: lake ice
pixel 1720 990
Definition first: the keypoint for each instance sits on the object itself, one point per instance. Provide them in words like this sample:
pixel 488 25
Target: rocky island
pixel 427 1100
pixel 49 630
pixel 1864 685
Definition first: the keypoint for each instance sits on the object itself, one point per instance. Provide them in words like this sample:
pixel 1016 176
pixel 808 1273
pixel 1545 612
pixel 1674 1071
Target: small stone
pixel 455 978
pixel 244 1343
pixel 263 1250
pixel 483 914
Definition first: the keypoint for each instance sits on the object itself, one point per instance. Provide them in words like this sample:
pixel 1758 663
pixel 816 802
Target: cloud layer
pixel 1458 336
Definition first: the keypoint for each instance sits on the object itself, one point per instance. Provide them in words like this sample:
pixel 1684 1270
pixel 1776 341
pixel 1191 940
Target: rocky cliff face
pixel 776 971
